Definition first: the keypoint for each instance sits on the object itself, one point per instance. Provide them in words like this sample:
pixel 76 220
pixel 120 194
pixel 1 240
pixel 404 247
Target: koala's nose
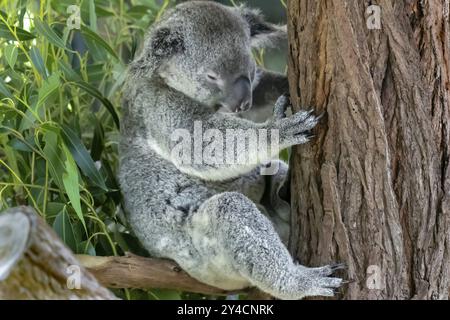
pixel 241 95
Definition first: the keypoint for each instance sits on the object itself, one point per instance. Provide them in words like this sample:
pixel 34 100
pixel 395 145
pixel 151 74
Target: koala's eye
pixel 212 77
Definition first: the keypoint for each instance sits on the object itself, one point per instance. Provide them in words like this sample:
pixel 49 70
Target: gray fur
pixel 211 219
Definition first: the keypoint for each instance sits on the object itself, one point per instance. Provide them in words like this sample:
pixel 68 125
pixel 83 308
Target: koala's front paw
pixel 296 129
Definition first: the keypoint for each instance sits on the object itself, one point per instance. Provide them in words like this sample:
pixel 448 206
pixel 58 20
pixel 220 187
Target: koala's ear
pixel 263 34
pixel 166 42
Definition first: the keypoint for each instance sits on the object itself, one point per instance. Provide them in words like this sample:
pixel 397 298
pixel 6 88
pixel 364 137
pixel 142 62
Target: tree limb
pixel 35 264
pixel 133 271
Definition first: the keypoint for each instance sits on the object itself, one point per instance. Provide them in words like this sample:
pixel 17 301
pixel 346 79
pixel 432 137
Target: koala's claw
pixel 338 266
pixel 326 271
pixel 307 135
pixel 320 116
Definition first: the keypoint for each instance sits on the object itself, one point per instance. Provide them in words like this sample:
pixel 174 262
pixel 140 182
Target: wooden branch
pixel 35 264
pixel 133 271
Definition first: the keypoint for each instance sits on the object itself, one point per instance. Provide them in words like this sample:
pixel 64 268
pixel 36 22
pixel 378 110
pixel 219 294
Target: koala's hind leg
pixel 231 234
pixel 276 198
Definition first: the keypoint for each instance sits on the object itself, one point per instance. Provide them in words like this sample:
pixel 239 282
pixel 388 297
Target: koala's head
pixel 203 49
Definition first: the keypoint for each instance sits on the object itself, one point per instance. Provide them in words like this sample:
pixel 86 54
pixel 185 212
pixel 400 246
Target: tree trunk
pixel 373 189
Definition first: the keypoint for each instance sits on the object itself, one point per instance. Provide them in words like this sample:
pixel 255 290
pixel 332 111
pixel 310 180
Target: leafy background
pixel 60 113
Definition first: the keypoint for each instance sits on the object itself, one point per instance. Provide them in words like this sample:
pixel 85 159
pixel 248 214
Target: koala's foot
pixel 254 250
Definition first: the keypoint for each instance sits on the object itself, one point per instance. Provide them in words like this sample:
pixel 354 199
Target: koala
pixel 225 223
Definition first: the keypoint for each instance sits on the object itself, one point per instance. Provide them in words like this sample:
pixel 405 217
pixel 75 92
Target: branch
pixel 133 271
pixel 35 264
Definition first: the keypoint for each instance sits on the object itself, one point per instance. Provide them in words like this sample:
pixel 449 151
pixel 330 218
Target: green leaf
pixel 97 94
pixel 17 144
pixel 53 208
pixel 86 247
pixel 22 34
pixel 11 55
pixel 137 12
pixel 49 86
pixel 69 73
pixel 44 30
pixel 102 12
pixel 89 34
pixel 284 155
pixel 95 72
pixel 53 152
pixel 82 157
pixel 98 141
pixel 92 16
pixel 63 227
pixel 38 62
pixel 4 89
pixel 70 181
pixel 166 294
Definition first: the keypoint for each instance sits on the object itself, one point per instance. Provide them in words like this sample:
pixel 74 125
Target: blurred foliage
pixel 59 117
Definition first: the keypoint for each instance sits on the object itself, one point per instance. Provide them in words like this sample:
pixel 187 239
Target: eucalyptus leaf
pixel 165 294
pixel 4 89
pixel 86 247
pixel 98 141
pixel 19 145
pixel 88 33
pixel 21 34
pixel 38 62
pixel 49 86
pixel 69 73
pixel 64 229
pixel 53 208
pixel 46 31
pixel 97 94
pixel 11 55
pixel 92 16
pixel 70 181
pixel 82 157
pixel 53 155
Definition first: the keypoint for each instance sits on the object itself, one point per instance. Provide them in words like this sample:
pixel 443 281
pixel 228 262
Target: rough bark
pixel 373 189
pixel 35 264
